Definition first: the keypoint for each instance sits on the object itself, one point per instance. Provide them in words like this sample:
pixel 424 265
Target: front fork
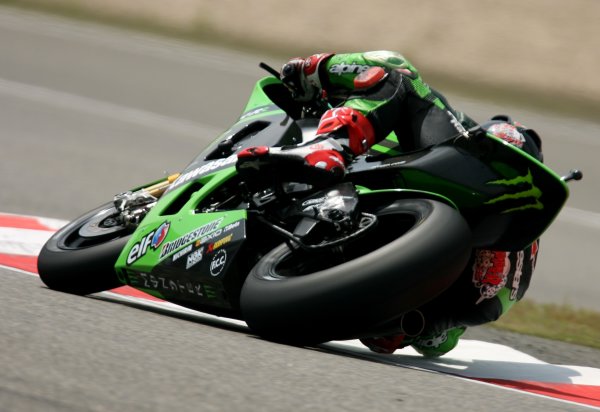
pixel 133 206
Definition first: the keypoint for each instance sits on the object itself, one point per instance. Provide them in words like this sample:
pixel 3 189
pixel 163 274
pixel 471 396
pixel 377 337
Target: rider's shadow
pixel 486 362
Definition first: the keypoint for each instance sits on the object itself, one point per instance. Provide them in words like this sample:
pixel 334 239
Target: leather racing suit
pixel 380 102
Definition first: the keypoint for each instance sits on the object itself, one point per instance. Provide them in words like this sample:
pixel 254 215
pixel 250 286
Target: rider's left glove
pixel 301 76
pixel 319 164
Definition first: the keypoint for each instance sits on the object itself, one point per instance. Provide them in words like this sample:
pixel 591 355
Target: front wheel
pixel 417 250
pixel 80 257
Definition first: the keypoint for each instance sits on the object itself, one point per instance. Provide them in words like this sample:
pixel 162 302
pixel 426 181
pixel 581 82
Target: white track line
pixel 112 111
pixel 234 62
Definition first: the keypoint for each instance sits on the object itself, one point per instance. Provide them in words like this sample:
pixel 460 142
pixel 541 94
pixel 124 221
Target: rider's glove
pixel 301 76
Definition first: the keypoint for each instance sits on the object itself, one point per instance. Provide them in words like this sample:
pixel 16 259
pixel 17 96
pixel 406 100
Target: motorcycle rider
pixel 371 96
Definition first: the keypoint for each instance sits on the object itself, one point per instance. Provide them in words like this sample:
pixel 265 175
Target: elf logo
pixel 160 235
pixel 344 68
pixel 153 239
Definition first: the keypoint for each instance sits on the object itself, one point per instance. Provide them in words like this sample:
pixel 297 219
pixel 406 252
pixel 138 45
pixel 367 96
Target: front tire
pixel 418 249
pixel 80 257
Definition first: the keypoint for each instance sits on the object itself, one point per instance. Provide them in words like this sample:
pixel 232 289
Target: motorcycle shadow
pixel 472 359
pixel 175 311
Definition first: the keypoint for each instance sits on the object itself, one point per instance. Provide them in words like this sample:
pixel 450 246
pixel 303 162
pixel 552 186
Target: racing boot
pixel 386 344
pixel 434 346
pixel 319 163
pixel 431 346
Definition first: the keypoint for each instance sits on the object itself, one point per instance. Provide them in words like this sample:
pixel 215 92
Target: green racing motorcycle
pixel 300 264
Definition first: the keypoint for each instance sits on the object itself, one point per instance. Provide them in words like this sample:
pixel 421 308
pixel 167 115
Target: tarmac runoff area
pixel 22 237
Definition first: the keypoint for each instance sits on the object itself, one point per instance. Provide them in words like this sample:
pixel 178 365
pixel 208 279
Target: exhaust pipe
pixel 412 323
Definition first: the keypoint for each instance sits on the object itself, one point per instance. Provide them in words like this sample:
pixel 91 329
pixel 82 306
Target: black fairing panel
pixel 508 197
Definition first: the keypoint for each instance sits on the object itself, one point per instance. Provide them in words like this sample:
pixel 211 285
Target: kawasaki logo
pixel 531 195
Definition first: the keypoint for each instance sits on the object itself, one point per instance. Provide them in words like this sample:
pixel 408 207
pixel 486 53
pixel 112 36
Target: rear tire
pixel 392 273
pixel 80 257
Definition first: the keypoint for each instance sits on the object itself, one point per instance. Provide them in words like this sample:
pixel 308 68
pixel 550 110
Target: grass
pixel 556 322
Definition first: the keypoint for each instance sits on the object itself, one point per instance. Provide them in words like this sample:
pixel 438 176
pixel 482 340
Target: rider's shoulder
pixel 342 63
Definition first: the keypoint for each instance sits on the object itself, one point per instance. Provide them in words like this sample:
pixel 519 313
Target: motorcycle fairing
pixel 182 254
pixel 507 197
pixel 262 123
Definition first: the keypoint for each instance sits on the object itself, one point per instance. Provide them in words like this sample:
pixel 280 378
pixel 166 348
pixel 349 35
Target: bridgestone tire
pixel 343 301
pixel 72 264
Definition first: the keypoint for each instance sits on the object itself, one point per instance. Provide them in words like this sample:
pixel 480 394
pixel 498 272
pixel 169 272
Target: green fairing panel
pixel 258 105
pixel 259 99
pixel 186 256
pixel 162 234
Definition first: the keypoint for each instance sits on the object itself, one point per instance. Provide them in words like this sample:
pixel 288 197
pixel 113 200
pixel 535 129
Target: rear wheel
pixel 80 257
pixel 417 250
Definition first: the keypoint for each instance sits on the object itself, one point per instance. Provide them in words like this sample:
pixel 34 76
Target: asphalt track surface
pixel 87 112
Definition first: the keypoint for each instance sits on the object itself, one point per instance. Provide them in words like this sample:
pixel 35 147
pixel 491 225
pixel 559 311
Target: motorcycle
pixel 303 264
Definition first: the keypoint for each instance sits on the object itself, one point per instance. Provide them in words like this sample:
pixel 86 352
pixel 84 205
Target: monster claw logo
pixel 529 198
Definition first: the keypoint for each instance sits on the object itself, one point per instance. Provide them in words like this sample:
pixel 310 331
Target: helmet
pixel 506 129
pixel 515 133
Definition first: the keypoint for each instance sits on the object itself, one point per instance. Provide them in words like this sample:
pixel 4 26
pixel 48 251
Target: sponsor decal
pixel 208 238
pixel 433 341
pixel 344 68
pixel 392 164
pixel 218 262
pixel 535 247
pixel 194 258
pixel 189 237
pixel 161 283
pixel 208 167
pixel 216 245
pixel 153 240
pixel 232 226
pixel 182 252
pixel 517 276
pixel 490 272
pixel 211 236
pixel 532 194
pixel 255 111
pixel 160 235
pixel 457 125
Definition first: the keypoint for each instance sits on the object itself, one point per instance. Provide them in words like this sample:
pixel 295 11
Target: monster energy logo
pixel 532 193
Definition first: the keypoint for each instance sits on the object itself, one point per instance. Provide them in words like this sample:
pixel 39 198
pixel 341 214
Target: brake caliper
pixel 134 206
